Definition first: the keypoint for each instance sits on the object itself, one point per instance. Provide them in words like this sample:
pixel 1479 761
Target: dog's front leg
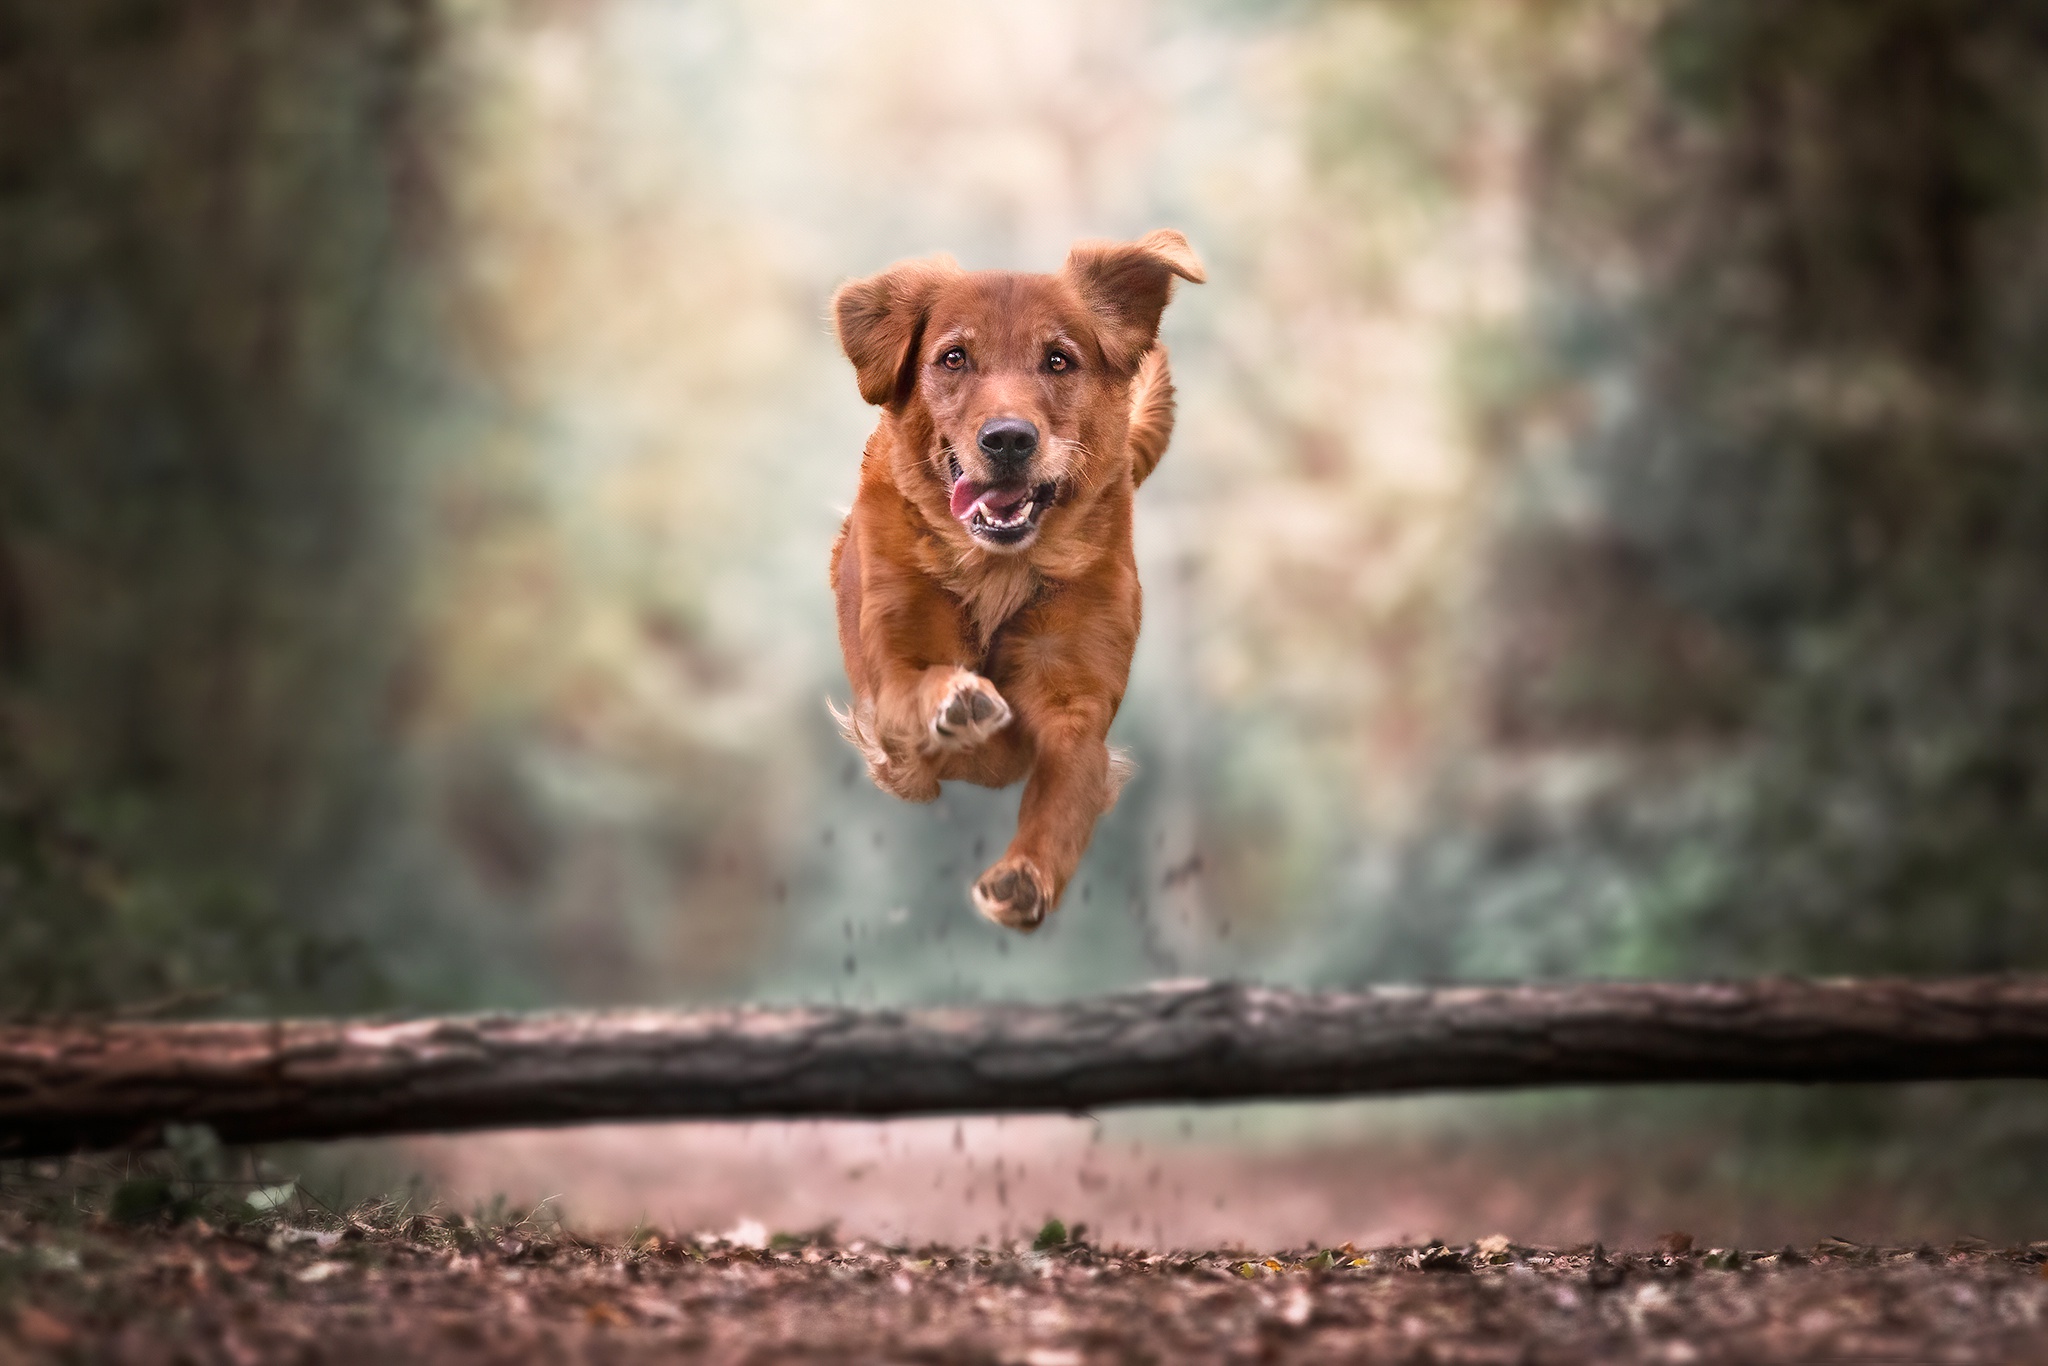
pixel 915 712
pixel 1068 789
pixel 918 725
pixel 1063 665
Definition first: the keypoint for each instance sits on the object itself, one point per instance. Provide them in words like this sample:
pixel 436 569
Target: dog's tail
pixel 1151 413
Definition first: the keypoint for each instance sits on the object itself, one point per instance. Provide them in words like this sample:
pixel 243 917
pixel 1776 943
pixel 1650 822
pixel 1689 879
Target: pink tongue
pixel 1000 503
pixel 965 491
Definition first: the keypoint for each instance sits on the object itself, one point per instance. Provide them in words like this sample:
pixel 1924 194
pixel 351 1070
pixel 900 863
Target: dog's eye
pixel 953 358
pixel 1059 362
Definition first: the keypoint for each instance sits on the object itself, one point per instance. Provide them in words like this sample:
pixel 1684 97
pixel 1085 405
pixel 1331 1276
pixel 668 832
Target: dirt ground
pixel 161 1284
pixel 989 1180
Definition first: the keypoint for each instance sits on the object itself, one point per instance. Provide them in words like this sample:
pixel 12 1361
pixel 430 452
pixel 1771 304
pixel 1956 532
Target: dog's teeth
pixel 1017 518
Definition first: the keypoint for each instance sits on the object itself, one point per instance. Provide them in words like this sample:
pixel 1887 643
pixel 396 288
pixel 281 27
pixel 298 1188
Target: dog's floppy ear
pixel 881 320
pixel 1127 284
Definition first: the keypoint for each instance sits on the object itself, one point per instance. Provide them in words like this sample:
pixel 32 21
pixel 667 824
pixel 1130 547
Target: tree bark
pixel 68 1087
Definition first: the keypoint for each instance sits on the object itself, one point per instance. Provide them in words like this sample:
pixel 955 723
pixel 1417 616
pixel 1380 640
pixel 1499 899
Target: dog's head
pixel 1012 391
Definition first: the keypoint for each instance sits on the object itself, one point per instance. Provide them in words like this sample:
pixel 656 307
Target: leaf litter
pixel 305 1283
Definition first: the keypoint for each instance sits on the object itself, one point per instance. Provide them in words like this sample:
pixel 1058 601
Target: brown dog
pixel 988 594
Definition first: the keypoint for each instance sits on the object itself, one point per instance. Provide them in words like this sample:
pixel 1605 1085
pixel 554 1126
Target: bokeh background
pixel 1607 534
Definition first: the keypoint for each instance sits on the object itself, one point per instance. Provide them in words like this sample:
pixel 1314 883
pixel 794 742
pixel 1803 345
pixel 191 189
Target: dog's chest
pixel 992 594
pixel 993 589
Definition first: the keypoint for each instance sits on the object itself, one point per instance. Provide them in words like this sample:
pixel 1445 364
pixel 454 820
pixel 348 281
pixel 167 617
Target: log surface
pixel 75 1086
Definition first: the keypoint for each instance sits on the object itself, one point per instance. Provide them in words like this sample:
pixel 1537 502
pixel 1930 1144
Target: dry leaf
pixel 40 1328
pixel 236 1261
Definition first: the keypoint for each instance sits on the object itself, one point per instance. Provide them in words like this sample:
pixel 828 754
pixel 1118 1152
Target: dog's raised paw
pixel 1012 894
pixel 969 712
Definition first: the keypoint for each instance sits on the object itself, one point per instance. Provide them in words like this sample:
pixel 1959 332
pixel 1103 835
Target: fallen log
pixel 72 1086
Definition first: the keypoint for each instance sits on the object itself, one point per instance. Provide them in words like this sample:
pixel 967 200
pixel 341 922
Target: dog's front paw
pixel 968 712
pixel 1013 894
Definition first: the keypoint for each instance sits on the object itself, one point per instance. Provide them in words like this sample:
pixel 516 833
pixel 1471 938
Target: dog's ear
pixel 1126 285
pixel 881 321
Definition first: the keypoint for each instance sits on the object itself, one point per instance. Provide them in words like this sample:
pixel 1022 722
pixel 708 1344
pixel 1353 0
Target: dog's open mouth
pixel 998 514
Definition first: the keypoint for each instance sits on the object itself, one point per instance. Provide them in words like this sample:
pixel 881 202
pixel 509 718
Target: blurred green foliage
pixel 1772 527
pixel 1765 521
pixel 207 222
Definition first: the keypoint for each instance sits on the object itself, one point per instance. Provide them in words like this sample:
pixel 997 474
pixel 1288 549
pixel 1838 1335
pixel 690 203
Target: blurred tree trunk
pixel 212 223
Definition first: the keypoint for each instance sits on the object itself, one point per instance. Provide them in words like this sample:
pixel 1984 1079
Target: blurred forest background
pixel 1607 532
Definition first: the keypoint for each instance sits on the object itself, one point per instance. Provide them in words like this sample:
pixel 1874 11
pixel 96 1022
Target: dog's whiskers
pixel 1082 470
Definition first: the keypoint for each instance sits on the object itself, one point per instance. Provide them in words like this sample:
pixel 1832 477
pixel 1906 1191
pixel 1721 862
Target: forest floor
pixel 152 1279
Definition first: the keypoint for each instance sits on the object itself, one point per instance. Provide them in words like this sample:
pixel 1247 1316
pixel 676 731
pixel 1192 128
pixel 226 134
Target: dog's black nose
pixel 1008 441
